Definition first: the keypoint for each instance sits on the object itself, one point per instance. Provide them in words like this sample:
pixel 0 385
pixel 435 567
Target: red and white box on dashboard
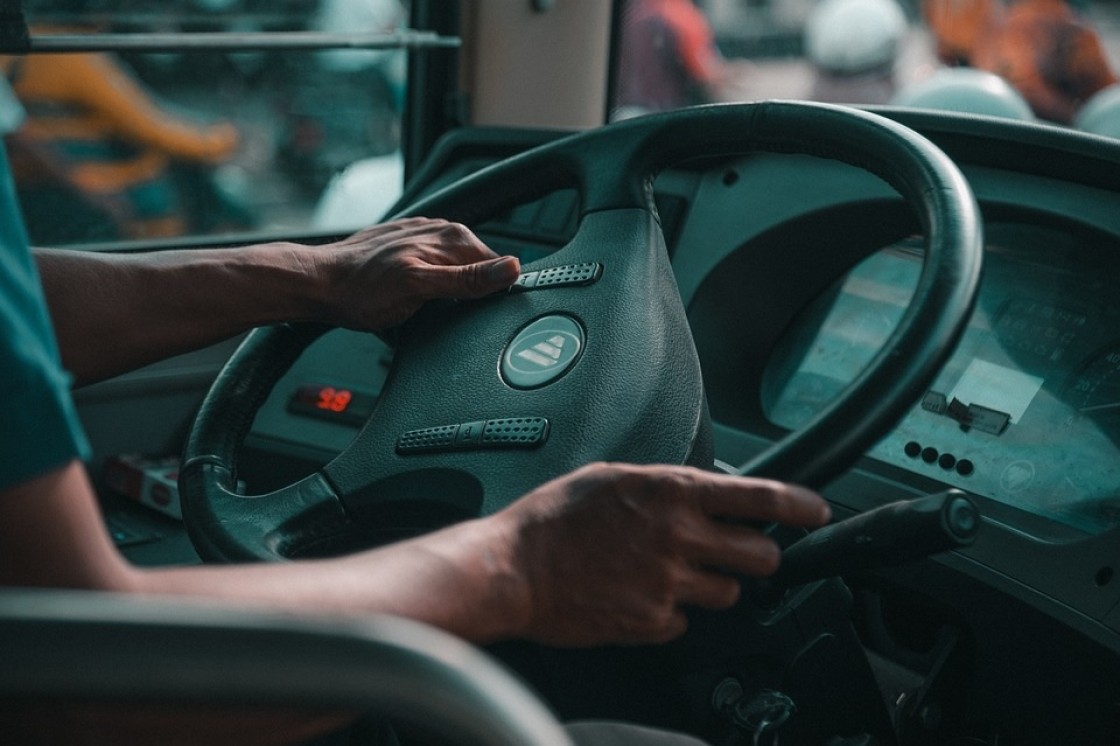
pixel 149 480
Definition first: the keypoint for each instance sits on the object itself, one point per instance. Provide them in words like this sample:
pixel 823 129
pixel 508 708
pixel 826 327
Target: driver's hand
pixel 380 276
pixel 612 553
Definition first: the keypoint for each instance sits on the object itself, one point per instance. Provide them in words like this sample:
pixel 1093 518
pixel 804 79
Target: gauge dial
pixel 1094 391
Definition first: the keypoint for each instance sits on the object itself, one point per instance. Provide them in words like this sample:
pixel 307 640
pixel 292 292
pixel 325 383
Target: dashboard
pixel 793 270
pixel 1027 410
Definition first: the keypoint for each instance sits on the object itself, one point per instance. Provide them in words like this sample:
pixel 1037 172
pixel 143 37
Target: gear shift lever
pixel 888 535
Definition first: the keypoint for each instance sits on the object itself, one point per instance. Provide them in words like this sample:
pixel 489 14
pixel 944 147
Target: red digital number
pixel 332 399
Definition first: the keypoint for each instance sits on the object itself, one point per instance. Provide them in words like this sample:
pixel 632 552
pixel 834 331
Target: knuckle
pixel 598 473
pixel 456 233
pixel 412 223
pixel 727 593
pixel 649 619
pixel 671 626
pixel 768 557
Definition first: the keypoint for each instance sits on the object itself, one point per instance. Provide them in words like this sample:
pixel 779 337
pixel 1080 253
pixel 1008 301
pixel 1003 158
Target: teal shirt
pixel 39 427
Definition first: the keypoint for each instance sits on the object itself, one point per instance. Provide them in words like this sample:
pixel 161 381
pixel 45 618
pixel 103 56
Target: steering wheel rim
pixel 613 168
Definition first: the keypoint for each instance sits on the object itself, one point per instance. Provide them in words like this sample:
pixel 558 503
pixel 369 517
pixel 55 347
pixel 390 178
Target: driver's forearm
pixel 116 312
pixel 462 579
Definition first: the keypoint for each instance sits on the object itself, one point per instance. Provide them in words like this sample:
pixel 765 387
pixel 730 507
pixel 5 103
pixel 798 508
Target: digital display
pixel 332 399
pixel 333 403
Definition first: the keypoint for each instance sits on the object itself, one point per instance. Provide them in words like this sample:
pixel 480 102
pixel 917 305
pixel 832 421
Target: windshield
pixel 1047 60
pixel 122 145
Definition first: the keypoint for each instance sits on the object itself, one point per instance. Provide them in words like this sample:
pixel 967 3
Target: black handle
pixel 888 535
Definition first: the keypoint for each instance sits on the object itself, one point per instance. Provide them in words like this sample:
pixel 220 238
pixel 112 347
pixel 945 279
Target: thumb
pixel 480 278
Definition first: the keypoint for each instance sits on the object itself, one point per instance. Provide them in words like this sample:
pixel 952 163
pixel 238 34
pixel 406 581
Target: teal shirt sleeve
pixel 39 427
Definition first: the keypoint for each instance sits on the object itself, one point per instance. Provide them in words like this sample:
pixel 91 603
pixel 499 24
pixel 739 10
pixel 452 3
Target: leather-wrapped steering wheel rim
pixel 612 168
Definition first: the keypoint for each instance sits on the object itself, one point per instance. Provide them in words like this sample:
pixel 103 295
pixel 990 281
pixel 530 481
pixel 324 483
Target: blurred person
pixel 1050 54
pixel 46 175
pixel 958 26
pixel 853 45
pixel 111 140
pixel 1041 47
pixel 668 59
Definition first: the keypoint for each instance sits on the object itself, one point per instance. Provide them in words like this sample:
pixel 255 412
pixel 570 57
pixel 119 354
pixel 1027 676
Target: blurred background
pixel 131 145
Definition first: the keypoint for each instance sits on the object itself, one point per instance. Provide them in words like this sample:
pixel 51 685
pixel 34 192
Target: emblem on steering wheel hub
pixel 542 352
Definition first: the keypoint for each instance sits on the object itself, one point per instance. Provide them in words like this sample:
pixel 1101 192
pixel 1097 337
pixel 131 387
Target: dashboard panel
pixel 1026 412
pixel 1024 417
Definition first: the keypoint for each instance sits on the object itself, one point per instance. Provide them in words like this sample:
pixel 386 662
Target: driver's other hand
pixel 380 276
pixel 611 553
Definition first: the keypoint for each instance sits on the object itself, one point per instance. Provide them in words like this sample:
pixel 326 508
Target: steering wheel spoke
pixel 237 528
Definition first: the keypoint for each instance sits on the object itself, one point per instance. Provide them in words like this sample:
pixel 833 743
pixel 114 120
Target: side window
pixel 125 144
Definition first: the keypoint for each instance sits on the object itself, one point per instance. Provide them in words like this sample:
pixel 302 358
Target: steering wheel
pixel 590 356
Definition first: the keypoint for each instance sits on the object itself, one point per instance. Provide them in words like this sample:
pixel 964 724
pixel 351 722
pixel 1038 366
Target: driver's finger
pixel 738 548
pixel 708 589
pixel 669 627
pixel 470 280
pixel 762 500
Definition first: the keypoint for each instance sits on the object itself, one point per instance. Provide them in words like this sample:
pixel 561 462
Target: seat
pixel 1101 113
pixel 966 90
pixel 124 651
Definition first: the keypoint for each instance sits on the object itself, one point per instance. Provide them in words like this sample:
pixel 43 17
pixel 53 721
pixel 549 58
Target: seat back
pixel 116 650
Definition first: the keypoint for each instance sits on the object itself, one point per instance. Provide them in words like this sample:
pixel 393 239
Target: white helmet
pixel 850 36
pixel 1101 113
pixel 967 90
